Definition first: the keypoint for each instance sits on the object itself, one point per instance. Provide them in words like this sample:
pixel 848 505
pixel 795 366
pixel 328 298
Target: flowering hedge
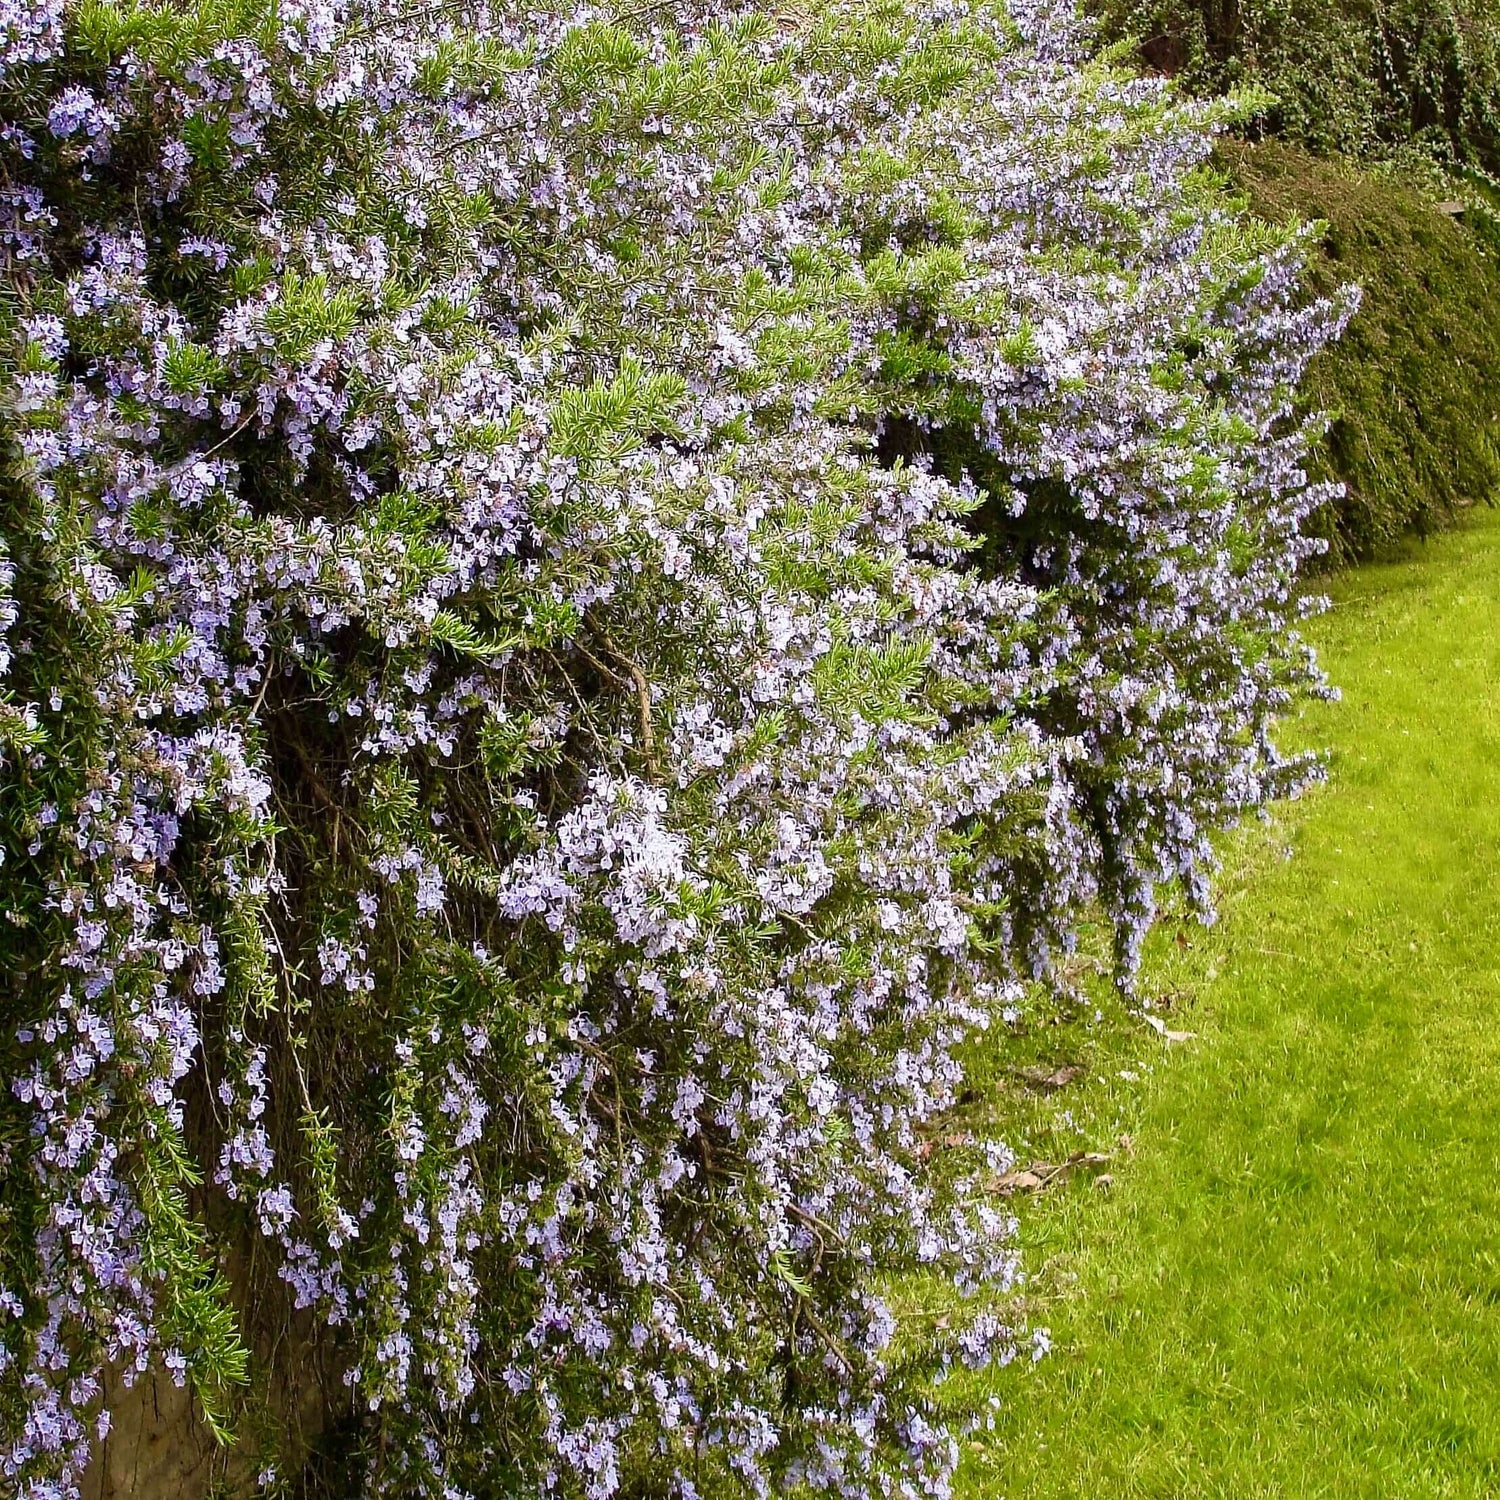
pixel 583 596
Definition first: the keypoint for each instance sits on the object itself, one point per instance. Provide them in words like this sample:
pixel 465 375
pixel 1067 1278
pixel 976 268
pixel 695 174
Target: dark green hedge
pixel 1365 78
pixel 1415 383
pixel 1410 91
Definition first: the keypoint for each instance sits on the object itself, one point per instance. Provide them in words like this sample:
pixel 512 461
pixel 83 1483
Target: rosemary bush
pixel 583 595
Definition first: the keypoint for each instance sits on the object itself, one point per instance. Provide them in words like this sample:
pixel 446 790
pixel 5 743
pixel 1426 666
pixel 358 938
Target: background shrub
pixel 515 788
pixel 1381 112
pixel 1363 78
pixel 1413 387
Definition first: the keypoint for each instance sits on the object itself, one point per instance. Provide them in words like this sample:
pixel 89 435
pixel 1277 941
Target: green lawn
pixel 1292 1286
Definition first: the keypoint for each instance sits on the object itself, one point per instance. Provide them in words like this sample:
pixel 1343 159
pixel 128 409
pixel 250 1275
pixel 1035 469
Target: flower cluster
pixel 584 595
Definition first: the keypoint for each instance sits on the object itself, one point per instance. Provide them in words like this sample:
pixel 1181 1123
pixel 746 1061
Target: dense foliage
pixel 1364 78
pixel 1376 106
pixel 514 788
pixel 1413 387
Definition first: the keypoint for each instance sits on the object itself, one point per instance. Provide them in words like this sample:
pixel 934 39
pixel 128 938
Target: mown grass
pixel 1292 1285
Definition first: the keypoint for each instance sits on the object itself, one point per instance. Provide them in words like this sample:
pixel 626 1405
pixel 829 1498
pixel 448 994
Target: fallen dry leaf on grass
pixel 1042 1174
pixel 940 1142
pixel 1161 1028
pixel 1048 1080
pixel 1018 1182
